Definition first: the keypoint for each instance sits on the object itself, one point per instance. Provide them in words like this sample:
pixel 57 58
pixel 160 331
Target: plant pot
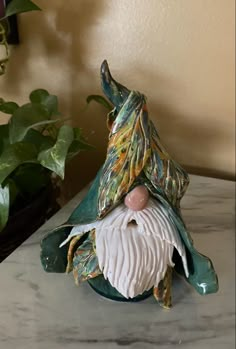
pixel 26 221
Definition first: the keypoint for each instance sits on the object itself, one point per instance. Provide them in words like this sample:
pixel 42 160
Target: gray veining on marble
pixel 47 311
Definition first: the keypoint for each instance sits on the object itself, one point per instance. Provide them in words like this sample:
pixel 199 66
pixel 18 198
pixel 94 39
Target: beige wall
pixel 180 53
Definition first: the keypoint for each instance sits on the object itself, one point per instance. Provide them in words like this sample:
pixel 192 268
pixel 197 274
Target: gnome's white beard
pixel 134 256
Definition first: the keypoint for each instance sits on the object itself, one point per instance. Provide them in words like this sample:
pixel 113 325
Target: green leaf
pixel 55 157
pixel 19 6
pixel 76 147
pixel 38 96
pixel 8 107
pixel 78 136
pixel 77 133
pixel 99 99
pixel 49 101
pixel 79 143
pixel 4 206
pixel 40 141
pixel 14 191
pixel 27 117
pixel 4 137
pixel 14 155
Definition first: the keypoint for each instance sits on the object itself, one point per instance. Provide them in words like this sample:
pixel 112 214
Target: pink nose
pixel 137 199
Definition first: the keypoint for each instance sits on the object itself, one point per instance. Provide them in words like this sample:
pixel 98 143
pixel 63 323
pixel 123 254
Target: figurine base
pixel 104 288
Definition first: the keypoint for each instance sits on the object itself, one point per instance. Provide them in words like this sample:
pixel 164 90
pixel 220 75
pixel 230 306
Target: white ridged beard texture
pixel 134 257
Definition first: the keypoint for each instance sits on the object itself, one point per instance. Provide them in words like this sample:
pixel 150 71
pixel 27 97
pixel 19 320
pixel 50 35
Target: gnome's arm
pixel 54 258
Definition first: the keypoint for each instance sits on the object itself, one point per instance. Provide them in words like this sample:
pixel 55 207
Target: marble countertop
pixel 46 311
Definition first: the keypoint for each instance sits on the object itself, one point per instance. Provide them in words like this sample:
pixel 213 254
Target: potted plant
pixel 35 145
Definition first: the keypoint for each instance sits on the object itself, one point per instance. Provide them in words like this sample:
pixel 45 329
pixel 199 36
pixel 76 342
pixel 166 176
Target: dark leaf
pixel 49 101
pixel 4 206
pixel 23 178
pixel 4 137
pixel 14 155
pixel 38 96
pixel 40 141
pixel 19 6
pixel 99 99
pixel 13 190
pixel 76 147
pixel 79 143
pixel 77 133
pixel 8 107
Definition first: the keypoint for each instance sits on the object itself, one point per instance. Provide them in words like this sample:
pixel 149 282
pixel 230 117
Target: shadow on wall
pixel 173 126
pixel 59 29
pixel 59 33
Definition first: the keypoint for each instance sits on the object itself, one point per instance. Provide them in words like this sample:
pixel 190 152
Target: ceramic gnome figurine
pixel 127 235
